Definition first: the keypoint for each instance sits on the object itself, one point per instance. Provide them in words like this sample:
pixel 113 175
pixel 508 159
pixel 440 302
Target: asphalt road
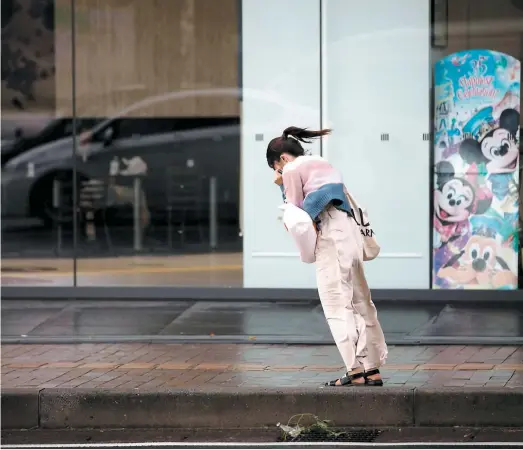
pixel 414 437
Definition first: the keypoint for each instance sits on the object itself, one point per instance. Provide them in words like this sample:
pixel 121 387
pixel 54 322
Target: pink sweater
pixel 311 183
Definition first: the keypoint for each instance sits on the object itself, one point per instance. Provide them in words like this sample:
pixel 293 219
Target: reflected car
pixel 135 143
pixel 159 144
pixel 18 127
pixel 23 139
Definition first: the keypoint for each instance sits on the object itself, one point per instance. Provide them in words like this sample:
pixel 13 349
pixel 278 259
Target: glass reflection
pixel 159 178
pixel 36 197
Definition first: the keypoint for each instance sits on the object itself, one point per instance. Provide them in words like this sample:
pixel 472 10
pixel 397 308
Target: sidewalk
pixel 64 373
pixel 129 366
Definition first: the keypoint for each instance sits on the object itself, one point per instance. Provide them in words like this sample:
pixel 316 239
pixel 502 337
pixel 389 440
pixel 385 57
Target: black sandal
pixel 346 380
pixel 369 382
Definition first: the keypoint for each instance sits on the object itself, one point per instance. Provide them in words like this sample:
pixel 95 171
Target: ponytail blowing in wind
pixel 302 134
pixel 289 142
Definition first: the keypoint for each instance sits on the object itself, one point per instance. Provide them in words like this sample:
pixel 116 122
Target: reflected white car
pixel 205 146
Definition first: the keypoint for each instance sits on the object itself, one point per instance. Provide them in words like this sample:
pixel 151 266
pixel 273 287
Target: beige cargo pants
pixel 345 294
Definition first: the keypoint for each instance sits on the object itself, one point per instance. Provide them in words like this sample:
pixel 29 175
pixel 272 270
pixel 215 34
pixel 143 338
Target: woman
pixel 311 183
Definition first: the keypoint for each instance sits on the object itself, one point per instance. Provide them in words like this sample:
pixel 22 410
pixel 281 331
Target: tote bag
pixel 300 226
pixel 371 248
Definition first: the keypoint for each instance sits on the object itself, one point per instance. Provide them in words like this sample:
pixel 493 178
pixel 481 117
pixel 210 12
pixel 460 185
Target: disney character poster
pixel 476 176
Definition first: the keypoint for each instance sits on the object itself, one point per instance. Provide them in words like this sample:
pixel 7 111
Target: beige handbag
pixel 371 248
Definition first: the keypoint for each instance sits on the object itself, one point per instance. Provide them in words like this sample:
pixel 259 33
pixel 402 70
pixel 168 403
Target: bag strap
pixel 353 203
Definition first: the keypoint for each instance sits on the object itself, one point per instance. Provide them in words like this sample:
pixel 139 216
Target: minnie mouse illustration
pixel 455 200
pixel 496 147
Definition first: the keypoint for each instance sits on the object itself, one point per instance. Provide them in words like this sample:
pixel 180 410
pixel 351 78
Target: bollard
pixel 57 187
pixel 213 213
pixel 137 184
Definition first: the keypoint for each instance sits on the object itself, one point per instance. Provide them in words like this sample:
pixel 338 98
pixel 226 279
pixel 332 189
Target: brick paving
pixel 129 366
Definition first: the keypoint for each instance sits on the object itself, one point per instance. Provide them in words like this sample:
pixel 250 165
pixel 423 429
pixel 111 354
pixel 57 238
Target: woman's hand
pixel 278 179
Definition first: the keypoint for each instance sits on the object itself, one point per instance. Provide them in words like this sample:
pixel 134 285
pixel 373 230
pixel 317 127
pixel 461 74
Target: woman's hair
pixel 289 142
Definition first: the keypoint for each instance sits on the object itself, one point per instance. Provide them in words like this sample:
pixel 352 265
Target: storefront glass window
pixel 156 98
pixel 37 236
pixel 134 136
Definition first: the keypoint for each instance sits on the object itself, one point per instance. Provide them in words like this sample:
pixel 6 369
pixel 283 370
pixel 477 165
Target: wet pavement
pixel 411 323
pixel 269 435
pixel 209 366
pixel 215 386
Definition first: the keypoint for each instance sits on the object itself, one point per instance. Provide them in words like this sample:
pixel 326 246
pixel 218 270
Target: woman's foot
pixel 373 378
pixel 348 379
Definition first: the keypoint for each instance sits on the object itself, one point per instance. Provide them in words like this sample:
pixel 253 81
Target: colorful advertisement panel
pixel 476 176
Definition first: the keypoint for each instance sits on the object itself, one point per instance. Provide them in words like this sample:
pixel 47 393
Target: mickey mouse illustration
pixel 479 264
pixel 455 200
pixel 496 147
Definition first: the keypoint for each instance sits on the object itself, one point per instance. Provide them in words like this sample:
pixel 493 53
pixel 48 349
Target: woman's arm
pixel 293 187
pixel 282 189
pixel 278 180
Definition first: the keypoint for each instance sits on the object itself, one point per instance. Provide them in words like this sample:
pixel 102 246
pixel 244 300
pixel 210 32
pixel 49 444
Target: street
pixel 423 437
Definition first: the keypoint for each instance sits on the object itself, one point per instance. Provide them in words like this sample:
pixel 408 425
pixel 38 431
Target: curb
pixel 20 408
pixel 255 408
